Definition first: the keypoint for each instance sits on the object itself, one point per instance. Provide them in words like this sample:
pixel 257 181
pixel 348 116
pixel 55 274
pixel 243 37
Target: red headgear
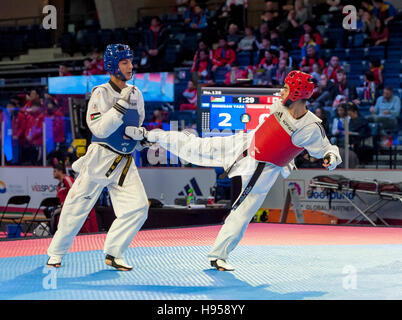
pixel 300 84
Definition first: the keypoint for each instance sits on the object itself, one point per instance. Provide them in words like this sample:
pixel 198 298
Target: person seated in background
pixel 376 68
pixel 276 40
pixel 384 10
pixel 202 45
pixel 224 56
pixel 359 130
pixel 188 17
pixel 233 37
pixel 247 43
pixel 156 120
pixel 95 65
pixel 270 19
pixel 262 46
pixel 56 115
pixel 379 36
pixel 63 71
pixel 332 68
pixel 317 72
pixel 189 97
pixel 236 74
pixel 262 32
pixel 309 41
pixel 345 88
pixel 338 125
pixel 324 94
pixel 277 75
pixel 269 60
pixel 33 97
pixel 199 19
pixel 237 11
pixel 306 65
pixel 369 87
pixel 388 106
pixel 284 54
pixel 315 36
pixel 202 68
pixel 322 114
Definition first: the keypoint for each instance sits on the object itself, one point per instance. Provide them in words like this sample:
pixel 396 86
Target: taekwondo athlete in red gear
pixel 259 156
pixel 108 163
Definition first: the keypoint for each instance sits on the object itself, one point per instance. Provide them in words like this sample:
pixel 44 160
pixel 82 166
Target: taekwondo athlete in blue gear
pixel 108 163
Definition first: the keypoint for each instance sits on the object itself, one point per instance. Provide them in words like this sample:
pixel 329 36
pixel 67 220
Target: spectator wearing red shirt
pixel 310 59
pixel 202 66
pixel 224 56
pixel 94 66
pixel 64 186
pixel 189 97
pixel 269 61
pixel 380 34
pixel 377 69
pixel 32 97
pixel 63 71
pixel 332 68
pixel 308 28
pixel 34 133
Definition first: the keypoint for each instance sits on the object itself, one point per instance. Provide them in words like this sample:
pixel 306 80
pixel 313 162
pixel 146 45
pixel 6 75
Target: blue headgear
pixel 113 54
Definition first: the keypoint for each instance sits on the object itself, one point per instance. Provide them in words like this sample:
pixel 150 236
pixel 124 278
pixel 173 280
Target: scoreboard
pixel 225 110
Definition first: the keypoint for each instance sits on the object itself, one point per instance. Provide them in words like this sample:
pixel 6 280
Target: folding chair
pixel 46 203
pixel 18 201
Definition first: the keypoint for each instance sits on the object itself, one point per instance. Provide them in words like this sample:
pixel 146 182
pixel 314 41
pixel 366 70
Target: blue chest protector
pixel 116 140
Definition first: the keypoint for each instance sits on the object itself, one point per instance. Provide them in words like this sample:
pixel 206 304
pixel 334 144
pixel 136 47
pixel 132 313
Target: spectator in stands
pixel 270 19
pixel 284 54
pixel 369 87
pixel 247 43
pixel 302 13
pixel 324 94
pixel 379 36
pixel 359 129
pixel 94 66
pixel 368 22
pixel 189 97
pixel 269 61
pixel 345 88
pixel 235 73
pixel 155 42
pixel 262 33
pixel 156 120
pixel 263 46
pixel 306 65
pixel 202 45
pixel 190 12
pixel 277 75
pixel 384 11
pixel 288 26
pixel 315 36
pixel 63 70
pixel 338 125
pixel 34 132
pixel 33 97
pixel 309 41
pixel 261 71
pixel 322 114
pixel 199 20
pixel 332 68
pixel 376 68
pixel 224 56
pixel 275 39
pixel 202 67
pixel 317 71
pixel 388 106
pixel 233 37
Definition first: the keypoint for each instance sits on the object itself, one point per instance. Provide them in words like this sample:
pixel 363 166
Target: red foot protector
pixel 272 141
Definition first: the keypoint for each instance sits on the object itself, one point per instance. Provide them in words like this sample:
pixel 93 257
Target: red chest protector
pixel 272 141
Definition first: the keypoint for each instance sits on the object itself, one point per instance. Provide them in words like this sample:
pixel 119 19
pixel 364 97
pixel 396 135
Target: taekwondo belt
pixel 117 161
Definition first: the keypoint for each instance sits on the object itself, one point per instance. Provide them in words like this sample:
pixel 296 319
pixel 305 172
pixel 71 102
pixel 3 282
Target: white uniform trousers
pixel 130 204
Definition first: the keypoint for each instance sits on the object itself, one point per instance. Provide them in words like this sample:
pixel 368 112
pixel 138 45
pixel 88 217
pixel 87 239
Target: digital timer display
pixel 233 109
